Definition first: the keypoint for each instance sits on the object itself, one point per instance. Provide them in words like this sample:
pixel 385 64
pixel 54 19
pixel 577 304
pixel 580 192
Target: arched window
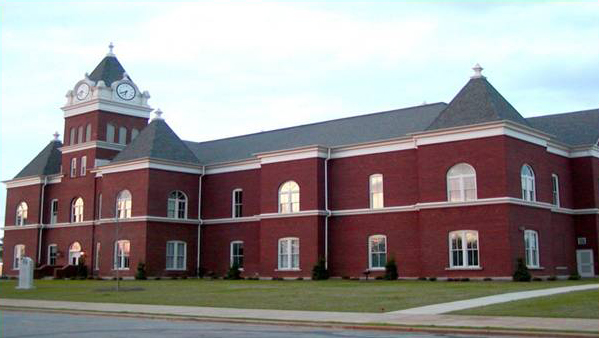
pixel 289 253
pixel 377 252
pixel 123 204
pixel 80 134
pixel 461 183
pixel 376 191
pixel 123 135
pixel 72 136
pixel 528 183
pixel 134 133
pixel 21 218
pixel 463 249
pixel 237 254
pixel 52 254
pixel 531 245
pixel 110 133
pixel 177 205
pixel 54 211
pixel 289 197
pixel 122 249
pixel 75 253
pixel 237 203
pixel 77 210
pixel 19 252
pixel 176 254
pixel 88 132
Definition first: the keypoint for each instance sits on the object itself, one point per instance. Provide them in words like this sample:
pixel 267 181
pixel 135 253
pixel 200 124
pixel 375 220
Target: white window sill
pixel 121 269
pixel 167 269
pixel 464 268
pixel 376 269
pixel 535 267
pixel 292 269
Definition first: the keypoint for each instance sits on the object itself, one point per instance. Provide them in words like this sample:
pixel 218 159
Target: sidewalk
pixel 348 318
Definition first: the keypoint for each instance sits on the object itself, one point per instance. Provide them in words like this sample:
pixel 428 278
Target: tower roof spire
pixel 110 47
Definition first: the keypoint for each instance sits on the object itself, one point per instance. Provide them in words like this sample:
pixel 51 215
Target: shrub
pixel 320 272
pixel 537 279
pixel 487 279
pixel 421 278
pixel 158 278
pixel 174 278
pixel 141 271
pixel 432 279
pixel 552 278
pixel 81 268
pixel 379 277
pixel 234 272
pixel 465 279
pixel 521 274
pixel 299 278
pixel 574 276
pixel 391 270
pixel 345 277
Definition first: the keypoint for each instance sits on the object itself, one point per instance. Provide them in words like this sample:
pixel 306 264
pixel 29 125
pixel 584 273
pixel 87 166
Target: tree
pixel 320 272
pixel 391 270
pixel 521 274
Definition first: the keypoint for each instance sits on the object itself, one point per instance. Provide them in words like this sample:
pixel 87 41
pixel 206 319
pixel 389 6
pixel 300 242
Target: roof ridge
pixel 596 110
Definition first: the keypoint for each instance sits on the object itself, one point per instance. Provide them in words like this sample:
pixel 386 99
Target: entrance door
pixel 74 253
pixel 584 260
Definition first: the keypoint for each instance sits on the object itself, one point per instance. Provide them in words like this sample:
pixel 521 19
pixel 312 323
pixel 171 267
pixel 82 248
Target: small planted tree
pixel 234 272
pixel 521 274
pixel 81 268
pixel 391 270
pixel 319 271
pixel 141 271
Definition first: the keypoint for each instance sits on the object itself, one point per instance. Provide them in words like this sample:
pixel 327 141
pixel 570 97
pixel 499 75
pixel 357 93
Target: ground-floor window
pixel 237 254
pixel 463 249
pixel 52 253
pixel 531 244
pixel 74 253
pixel 97 258
pixel 122 249
pixel 175 255
pixel 377 252
pixel 19 253
pixel 289 253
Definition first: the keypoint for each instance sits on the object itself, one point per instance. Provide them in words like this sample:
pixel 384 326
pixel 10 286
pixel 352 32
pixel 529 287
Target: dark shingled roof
pixel 109 70
pixel 477 102
pixel 47 162
pixel 576 128
pixel 345 131
pixel 157 141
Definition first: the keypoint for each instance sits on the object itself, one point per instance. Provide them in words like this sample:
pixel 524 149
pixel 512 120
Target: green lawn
pixel 331 295
pixel 580 304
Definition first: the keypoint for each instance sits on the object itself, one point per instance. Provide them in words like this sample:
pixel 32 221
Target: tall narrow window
pixel 289 253
pixel 97 258
pixel 83 165
pixel 75 253
pixel 74 167
pixel 527 176
pixel 21 218
pixel 376 191
pixel 177 205
pixel 289 197
pixel 555 186
pixel 110 133
pixel 123 204
pixel 19 252
pixel 237 203
pixel 123 135
pixel 54 211
pixel 80 134
pixel 176 252
pixel 122 249
pixel 531 244
pixel 77 210
pixel 463 249
pixel 461 183
pixel 377 252
pixel 88 132
pixel 134 133
pixel 72 136
pixel 52 254
pixel 237 254
pixel 100 206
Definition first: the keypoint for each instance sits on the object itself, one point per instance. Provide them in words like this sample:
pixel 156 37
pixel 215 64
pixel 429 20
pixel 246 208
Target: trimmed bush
pixel 521 274
pixel 379 277
pixel 432 279
pixel 234 273
pixel 319 271
pixel 537 279
pixel 141 271
pixel 574 276
pixel 421 278
pixel 487 279
pixel 81 268
pixel 466 279
pixel 391 270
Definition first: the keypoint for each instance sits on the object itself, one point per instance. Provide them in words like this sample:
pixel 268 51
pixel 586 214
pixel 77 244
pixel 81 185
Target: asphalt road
pixel 15 324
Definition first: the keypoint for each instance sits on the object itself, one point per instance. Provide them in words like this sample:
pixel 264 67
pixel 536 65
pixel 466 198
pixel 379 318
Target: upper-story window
pixel 123 135
pixel 461 183
pixel 531 245
pixel 463 249
pixel 555 189
pixel 123 204
pixel 83 165
pixel 77 210
pixel 177 205
pixel 54 211
pixel 100 206
pixel 21 218
pixel 377 252
pixel 528 183
pixel 134 133
pixel 80 134
pixel 376 191
pixel 289 253
pixel 237 254
pixel 237 203
pixel 289 197
pixel 19 252
pixel 88 132
pixel 110 133
pixel 72 137
pixel 74 167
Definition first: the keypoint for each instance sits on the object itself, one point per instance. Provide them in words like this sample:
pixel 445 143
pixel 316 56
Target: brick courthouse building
pixel 448 190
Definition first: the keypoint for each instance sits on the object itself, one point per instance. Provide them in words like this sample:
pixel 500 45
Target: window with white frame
pixel 72 137
pixel 531 245
pixel 123 204
pixel 289 197
pixel 97 258
pixel 376 191
pixel 177 205
pixel 237 203
pixel 377 252
pixel 527 176
pixel 122 249
pixel 74 167
pixel 176 252
pixel 54 211
pixel 52 254
pixel 75 253
pixel 88 132
pixel 80 134
pixel 123 135
pixel 110 133
pixel 555 189
pixel 463 249
pixel 289 253
pixel 134 133
pixel 461 183
pixel 100 206
pixel 19 252
pixel 21 217
pixel 77 210
pixel 237 254
pixel 83 165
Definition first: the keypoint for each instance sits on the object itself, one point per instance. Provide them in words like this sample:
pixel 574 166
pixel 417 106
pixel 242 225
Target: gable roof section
pixel 108 70
pixel 157 141
pixel 345 131
pixel 47 162
pixel 575 128
pixel 477 102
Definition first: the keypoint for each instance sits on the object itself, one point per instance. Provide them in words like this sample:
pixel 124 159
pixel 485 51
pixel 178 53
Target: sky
pixel 219 69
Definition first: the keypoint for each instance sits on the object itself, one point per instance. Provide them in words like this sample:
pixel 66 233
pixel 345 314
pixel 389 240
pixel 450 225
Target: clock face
pixel 125 91
pixel 82 91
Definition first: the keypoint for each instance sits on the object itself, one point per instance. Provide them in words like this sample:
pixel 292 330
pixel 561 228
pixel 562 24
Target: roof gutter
pixel 200 221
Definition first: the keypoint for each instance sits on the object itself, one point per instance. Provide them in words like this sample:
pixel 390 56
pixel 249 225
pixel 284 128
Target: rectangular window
pixel 54 211
pixel 88 133
pixel 52 254
pixel 289 254
pixel 121 255
pixel 237 254
pixel 376 191
pixel 97 258
pixel 72 137
pixel 123 135
pixel 109 133
pixel 531 244
pixel 463 249
pixel 175 255
pixel 19 252
pixel 237 203
pixel 80 135
pixel 377 248
pixel 83 165
pixel 555 185
pixel 74 167
pixel 100 206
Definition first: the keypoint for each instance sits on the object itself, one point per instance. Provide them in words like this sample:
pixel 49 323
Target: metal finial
pixel 56 135
pixel 477 71
pixel 110 47
pixel 158 114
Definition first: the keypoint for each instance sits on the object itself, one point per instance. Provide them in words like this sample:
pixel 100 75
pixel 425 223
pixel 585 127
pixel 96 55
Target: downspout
pixel 199 220
pixel 326 207
pixel 39 244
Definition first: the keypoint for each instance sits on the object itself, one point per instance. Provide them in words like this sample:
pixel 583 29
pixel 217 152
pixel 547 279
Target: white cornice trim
pixel 69 225
pixel 107 105
pixel 294 214
pixel 146 218
pixel 232 166
pixel 313 151
pixel 92 145
pixel 231 220
pixel 32 180
pixel 20 227
pixel 146 163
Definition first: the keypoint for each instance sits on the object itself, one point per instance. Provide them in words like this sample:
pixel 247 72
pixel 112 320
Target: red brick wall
pixel 28 237
pixel 158 233
pixel 64 237
pixel 165 182
pixel 217 193
pixel 216 241
pixel 588 226
pixel 135 232
pixel 136 181
pixel 29 194
pixel 98 119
